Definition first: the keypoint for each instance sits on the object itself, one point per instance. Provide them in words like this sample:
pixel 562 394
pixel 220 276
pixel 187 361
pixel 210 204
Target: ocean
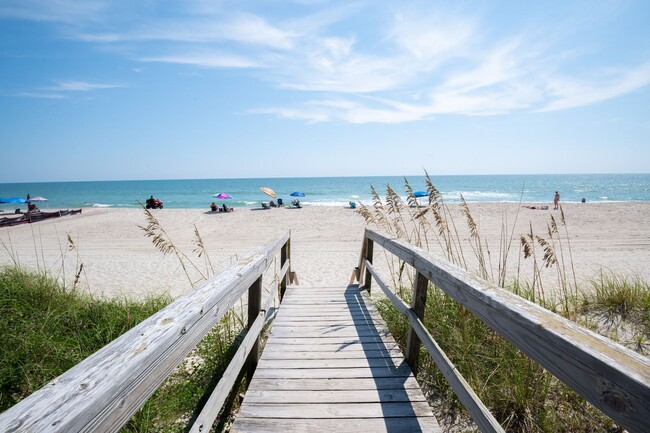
pixel 333 191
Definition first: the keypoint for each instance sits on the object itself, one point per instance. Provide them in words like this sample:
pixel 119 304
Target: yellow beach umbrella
pixel 268 191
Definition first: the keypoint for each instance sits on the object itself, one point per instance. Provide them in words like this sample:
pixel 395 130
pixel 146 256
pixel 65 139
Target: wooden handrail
pixel 477 410
pixel 103 391
pixel 614 379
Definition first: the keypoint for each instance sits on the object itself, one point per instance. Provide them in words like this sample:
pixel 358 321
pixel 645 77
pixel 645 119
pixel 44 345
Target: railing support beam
pixel 254 308
pixel 368 278
pixel 417 305
pixel 284 256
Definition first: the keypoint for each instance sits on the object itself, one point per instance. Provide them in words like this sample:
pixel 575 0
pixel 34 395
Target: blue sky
pixel 114 89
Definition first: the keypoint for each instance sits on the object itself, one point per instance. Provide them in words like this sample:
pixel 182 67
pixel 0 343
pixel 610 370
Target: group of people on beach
pixel 223 208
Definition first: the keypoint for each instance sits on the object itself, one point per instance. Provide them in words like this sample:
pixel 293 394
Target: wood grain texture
pixel 613 378
pixel 103 391
pixel 330 364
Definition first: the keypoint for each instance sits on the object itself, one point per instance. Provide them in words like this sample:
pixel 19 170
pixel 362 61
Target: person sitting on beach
pixel 213 207
pixel 272 204
pixel 556 200
pixel 31 207
pixel 296 203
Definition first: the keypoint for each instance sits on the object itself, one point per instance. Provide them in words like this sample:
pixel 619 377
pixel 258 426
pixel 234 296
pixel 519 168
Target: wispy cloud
pixel 40 95
pixel 570 93
pixel 355 62
pixel 206 60
pixel 65 89
pixel 83 86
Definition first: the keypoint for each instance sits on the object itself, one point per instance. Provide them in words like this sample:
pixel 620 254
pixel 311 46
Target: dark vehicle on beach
pixel 153 203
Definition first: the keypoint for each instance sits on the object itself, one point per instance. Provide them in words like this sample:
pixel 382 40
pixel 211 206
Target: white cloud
pixel 206 60
pixel 83 86
pixel 361 63
pixel 570 93
pixel 43 95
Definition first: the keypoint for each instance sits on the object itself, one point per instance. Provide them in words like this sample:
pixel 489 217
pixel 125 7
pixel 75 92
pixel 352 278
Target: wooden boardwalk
pixel 330 365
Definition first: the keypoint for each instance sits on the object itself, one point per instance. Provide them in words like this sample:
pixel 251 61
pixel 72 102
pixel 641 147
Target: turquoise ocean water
pixel 333 191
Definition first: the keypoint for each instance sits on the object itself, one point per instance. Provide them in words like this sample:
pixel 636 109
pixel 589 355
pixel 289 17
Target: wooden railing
pixel 103 391
pixel 613 378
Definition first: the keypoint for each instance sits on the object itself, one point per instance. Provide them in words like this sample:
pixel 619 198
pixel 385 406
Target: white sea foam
pixel 102 205
pixel 480 195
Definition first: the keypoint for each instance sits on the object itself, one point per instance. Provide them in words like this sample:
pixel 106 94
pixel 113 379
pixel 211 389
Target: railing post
pixel 368 278
pixel 254 308
pixel 284 256
pixel 418 304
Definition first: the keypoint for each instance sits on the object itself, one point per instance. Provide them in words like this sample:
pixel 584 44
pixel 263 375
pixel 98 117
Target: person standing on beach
pixel 556 200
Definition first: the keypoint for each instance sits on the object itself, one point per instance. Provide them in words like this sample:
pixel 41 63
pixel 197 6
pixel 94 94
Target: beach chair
pixel 296 203
pixel 280 202
pixel 353 205
pixel 265 206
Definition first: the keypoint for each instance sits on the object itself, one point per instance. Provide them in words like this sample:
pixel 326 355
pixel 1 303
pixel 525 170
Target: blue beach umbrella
pixel 419 194
pixel 297 194
pixel 12 200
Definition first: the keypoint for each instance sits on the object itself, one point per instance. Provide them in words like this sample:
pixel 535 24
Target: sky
pixel 122 89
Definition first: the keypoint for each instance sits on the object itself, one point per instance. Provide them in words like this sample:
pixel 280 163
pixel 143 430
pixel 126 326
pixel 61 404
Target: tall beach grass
pixel 521 394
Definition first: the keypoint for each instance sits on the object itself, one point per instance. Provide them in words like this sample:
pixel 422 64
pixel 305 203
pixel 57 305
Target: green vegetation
pixel 47 330
pixel 521 395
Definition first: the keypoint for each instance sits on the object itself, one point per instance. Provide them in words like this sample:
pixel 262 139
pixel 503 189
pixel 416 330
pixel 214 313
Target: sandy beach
pixel 119 260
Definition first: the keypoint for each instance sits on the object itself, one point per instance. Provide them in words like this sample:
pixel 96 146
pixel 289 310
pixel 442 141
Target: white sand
pixel 326 242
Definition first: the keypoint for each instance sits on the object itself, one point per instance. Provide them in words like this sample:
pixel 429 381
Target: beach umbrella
pixel 297 194
pixel 419 194
pixel 222 196
pixel 37 199
pixel 268 191
pixel 354 196
pixel 12 200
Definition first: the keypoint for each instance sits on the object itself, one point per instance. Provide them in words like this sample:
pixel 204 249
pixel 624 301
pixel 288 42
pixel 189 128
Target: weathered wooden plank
pixel 325 373
pixel 340 341
pixel 280 364
pixel 256 396
pixel 273 345
pixel 331 354
pixel 103 391
pixel 211 409
pixel 348 425
pixel 327 410
pixel 347 331
pixel 336 383
pixel 322 323
pixel 614 379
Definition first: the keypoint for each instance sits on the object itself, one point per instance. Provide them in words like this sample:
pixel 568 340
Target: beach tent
pixel 297 194
pixel 222 196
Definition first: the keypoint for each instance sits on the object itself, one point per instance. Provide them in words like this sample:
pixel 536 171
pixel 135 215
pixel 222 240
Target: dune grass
pixel 521 394
pixel 49 325
pixel 47 330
